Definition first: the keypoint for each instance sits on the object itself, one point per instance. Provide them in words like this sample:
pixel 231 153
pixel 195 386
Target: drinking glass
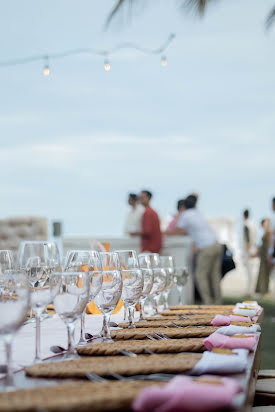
pixel 180 278
pixel 167 263
pixel 14 305
pixel 6 260
pixel 38 259
pixel 85 261
pixel 70 293
pixel 110 292
pixel 148 280
pixel 160 279
pixel 132 278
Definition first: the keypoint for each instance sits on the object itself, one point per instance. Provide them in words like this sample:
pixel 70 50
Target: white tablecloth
pixel 53 332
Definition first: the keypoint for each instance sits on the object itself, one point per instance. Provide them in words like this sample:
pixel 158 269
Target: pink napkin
pixel 217 340
pixel 221 320
pixel 186 395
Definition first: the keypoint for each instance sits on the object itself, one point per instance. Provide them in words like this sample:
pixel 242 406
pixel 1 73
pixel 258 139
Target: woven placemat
pixel 141 346
pixel 196 312
pixel 201 307
pixel 173 333
pixel 170 323
pixel 123 365
pixel 77 397
pixel 172 317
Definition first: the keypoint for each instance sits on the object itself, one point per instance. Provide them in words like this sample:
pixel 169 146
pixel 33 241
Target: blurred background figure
pixel 249 248
pixel 151 237
pixel 271 252
pixel 134 218
pixel 208 265
pixel 265 266
pixel 173 224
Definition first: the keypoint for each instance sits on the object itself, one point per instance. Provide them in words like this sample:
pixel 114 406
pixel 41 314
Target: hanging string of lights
pixel 104 53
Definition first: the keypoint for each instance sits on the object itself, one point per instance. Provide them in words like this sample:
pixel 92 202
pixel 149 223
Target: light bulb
pixel 46 70
pixel 107 66
pixel 164 61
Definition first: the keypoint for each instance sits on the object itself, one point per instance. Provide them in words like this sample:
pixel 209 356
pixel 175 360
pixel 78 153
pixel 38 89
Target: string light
pixel 107 65
pixel 164 61
pixel 46 69
pixel 90 51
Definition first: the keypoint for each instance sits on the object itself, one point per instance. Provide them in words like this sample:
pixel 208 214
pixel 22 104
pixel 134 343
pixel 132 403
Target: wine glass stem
pixel 9 375
pixel 131 314
pixel 37 338
pixel 157 298
pixel 106 330
pixel 180 294
pixel 82 335
pixel 70 330
pixel 141 305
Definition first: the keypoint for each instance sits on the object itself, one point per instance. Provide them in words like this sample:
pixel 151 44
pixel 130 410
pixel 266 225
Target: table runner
pixel 139 346
pixel 126 366
pixel 174 333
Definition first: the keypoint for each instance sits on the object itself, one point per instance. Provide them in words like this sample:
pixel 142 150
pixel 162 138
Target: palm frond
pixel 117 7
pixel 198 6
pixel 270 18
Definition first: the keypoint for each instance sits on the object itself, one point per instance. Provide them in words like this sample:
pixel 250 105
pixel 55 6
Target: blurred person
pixel 249 248
pixel 271 252
pixel 209 256
pixel 265 267
pixel 173 224
pixel 151 237
pixel 134 218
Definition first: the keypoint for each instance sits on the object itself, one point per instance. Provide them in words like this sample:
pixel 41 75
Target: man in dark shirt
pixel 151 238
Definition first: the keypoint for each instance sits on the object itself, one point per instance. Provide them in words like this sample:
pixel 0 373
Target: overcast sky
pixel 74 143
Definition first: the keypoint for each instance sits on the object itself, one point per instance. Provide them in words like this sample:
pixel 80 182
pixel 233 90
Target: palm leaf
pixel 199 6
pixel 270 18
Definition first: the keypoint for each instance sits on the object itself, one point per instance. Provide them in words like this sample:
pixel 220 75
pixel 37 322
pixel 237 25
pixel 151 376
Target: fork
pixel 94 377
pixel 150 337
pixel 128 353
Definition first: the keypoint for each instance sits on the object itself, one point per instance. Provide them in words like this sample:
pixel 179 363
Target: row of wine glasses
pixel 86 275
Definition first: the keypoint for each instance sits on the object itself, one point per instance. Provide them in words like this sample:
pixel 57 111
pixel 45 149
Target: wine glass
pixel 148 280
pixel 132 278
pixel 180 278
pixel 70 293
pixel 159 279
pixel 167 263
pixel 110 292
pixel 85 261
pixel 6 261
pixel 38 259
pixel 14 305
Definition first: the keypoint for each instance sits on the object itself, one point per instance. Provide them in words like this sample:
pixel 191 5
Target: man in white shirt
pixel 134 218
pixel 208 270
pixel 249 248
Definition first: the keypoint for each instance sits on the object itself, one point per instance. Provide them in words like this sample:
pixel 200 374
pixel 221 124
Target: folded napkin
pixel 217 340
pixel 245 311
pixel 237 330
pixel 221 320
pixel 188 395
pixel 220 363
pixel 248 304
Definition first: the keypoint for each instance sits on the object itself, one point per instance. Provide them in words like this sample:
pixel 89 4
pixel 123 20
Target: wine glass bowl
pixel 87 261
pixel 108 297
pixel 132 278
pixel 70 293
pixel 6 261
pixel 148 280
pixel 167 263
pixel 181 275
pixel 38 259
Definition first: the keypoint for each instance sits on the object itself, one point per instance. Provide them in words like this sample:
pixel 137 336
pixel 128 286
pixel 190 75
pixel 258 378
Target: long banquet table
pixel 54 333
